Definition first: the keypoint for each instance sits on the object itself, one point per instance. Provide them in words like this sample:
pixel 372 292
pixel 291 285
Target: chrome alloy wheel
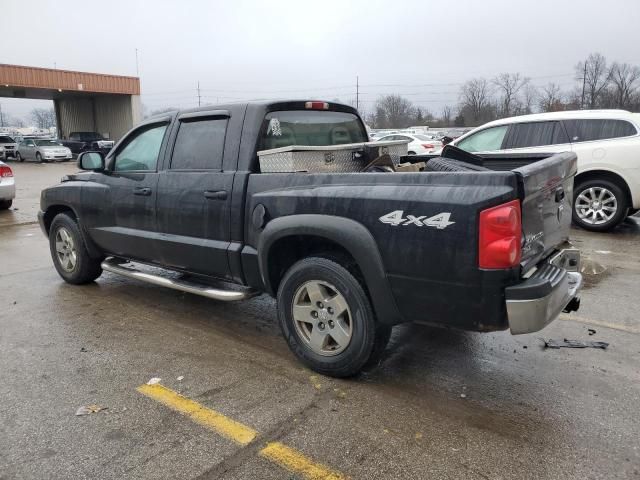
pixel 322 317
pixel 66 250
pixel 596 205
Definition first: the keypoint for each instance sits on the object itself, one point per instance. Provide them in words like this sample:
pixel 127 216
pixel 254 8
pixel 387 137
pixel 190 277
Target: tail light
pixel 428 146
pixel 499 236
pixel 5 171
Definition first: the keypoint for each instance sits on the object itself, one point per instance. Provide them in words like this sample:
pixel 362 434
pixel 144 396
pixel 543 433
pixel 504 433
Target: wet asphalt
pixel 444 404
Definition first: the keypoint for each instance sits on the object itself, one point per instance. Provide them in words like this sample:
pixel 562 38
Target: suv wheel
pixel 599 205
pixel 327 319
pixel 69 253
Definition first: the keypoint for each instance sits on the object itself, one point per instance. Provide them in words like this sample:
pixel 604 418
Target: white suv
pixel 607 142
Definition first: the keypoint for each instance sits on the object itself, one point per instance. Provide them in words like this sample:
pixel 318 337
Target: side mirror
pixel 91 161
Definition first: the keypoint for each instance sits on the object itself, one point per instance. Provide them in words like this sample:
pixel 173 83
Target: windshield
pixel 7 140
pixel 47 143
pixel 310 128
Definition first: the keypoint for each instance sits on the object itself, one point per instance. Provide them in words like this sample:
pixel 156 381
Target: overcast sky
pixel 297 48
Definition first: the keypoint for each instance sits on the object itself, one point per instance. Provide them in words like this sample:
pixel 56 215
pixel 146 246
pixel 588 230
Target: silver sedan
pixel 42 150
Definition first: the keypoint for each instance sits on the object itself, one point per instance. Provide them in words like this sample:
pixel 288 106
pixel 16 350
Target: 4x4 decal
pixel 396 218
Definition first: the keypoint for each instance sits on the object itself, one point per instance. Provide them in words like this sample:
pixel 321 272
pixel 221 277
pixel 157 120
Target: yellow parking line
pixel 599 323
pixel 295 462
pixel 200 414
pixel 286 457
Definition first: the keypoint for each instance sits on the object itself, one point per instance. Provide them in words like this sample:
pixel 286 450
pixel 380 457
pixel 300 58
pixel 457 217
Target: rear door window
pixel 310 127
pixel 598 129
pixel 531 134
pixel 199 145
pixel 484 140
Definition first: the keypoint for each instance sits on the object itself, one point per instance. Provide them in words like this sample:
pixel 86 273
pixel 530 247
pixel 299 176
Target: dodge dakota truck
pixel 184 201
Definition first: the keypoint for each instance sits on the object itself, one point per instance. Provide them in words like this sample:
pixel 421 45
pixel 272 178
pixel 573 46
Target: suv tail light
pixel 500 234
pixel 5 171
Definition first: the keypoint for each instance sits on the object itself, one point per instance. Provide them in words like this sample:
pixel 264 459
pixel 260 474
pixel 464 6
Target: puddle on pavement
pixel 593 272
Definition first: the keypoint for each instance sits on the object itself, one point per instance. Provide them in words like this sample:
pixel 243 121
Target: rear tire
pixel 327 319
pixel 5 204
pixel 440 164
pixel 599 205
pixel 69 252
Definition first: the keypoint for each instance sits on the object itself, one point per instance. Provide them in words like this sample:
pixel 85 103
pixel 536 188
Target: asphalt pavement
pixel 443 404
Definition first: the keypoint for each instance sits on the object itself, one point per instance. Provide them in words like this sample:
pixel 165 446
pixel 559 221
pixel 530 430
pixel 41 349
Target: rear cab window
pixel 310 128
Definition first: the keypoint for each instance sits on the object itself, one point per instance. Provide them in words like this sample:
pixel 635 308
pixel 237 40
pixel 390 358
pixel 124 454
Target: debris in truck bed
pixel 566 343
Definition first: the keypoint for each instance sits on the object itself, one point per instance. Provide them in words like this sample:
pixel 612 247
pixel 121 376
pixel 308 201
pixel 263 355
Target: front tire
pixel 39 157
pixel 69 252
pixel 599 205
pixel 327 320
pixel 19 157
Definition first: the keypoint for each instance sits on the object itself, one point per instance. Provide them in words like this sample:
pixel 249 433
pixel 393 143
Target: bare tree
pixel 551 98
pixel 530 96
pixel 625 81
pixel 44 118
pixel 475 97
pixel 595 76
pixel 446 115
pixel 394 111
pixel 509 85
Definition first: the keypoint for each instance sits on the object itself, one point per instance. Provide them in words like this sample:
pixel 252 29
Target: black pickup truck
pixel 79 142
pixel 181 201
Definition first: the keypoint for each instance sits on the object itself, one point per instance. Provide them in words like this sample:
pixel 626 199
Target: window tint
pixel 199 145
pixel 310 127
pixel 594 129
pixel 484 140
pixel 141 151
pixel 533 134
pixel 6 140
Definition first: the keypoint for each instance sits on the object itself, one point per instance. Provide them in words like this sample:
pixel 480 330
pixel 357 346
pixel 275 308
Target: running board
pixel 114 265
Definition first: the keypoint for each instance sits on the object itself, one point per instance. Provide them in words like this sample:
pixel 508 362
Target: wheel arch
pixel 56 209
pixel 286 240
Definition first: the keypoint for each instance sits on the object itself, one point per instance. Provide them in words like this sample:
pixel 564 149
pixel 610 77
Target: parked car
pixel 42 150
pixel 84 141
pixel 418 144
pixel 7 147
pixel 7 186
pixel 607 143
pixel 347 255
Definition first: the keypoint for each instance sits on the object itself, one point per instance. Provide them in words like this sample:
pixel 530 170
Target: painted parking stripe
pixel 295 462
pixel 276 452
pixel 200 414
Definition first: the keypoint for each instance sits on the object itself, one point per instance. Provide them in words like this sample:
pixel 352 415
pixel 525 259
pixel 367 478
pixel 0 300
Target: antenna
pixel 198 92
pixel 357 92
pixel 137 72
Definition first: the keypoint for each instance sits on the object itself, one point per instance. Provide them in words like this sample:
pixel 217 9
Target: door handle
pixel 215 195
pixel 144 191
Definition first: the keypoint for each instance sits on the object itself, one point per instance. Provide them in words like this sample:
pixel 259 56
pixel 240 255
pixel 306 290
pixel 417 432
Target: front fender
pixel 349 234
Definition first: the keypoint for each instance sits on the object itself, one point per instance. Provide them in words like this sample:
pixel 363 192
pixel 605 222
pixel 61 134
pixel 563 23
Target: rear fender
pixel 350 235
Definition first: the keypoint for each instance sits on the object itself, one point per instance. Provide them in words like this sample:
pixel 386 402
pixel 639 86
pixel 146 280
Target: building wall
pixel 109 115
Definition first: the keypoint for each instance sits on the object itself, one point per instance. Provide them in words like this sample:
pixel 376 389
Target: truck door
pixel 119 205
pixel 194 194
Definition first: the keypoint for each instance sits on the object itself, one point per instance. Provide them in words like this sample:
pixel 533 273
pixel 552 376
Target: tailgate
pixel 546 191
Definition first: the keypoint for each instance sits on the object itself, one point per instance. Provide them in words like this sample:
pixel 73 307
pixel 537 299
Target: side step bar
pixel 114 265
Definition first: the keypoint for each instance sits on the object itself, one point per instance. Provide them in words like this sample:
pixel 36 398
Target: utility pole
pixel 137 72
pixel 198 92
pixel 1 117
pixel 357 92
pixel 584 82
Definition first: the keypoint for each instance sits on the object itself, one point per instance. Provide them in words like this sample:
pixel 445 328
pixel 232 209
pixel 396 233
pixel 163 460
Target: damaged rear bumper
pixel 553 288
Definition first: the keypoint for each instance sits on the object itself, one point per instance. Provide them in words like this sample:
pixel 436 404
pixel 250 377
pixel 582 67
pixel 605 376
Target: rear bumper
pixel 7 189
pixel 554 287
